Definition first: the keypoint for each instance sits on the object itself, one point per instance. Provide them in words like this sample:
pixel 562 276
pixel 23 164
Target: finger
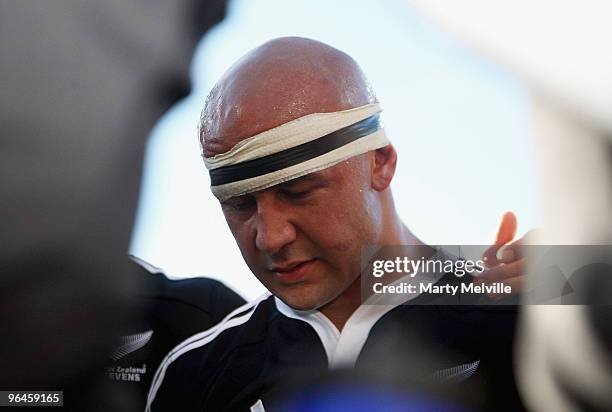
pixel 505 233
pixel 490 256
pixel 510 253
pixel 505 271
pixel 507 229
pixel 515 250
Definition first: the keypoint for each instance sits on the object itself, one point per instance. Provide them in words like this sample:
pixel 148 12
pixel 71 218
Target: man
pixel 172 310
pixel 302 168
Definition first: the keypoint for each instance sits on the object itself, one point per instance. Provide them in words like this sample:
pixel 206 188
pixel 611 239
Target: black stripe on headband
pixel 295 155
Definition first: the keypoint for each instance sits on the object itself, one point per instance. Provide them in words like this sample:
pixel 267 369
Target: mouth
pixel 293 272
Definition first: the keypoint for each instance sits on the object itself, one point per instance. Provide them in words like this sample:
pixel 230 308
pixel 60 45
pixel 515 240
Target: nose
pixel 274 230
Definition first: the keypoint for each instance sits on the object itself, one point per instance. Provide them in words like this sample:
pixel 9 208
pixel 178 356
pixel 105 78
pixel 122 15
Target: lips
pixel 294 272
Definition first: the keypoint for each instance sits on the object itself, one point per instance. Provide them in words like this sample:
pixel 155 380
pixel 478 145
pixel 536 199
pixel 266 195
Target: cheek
pixel 341 229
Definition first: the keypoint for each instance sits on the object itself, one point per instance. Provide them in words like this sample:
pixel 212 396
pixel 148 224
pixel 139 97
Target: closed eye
pixel 292 194
pixel 238 204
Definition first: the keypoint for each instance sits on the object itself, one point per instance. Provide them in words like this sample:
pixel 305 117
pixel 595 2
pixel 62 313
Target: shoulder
pixel 189 366
pixel 199 299
pixel 205 294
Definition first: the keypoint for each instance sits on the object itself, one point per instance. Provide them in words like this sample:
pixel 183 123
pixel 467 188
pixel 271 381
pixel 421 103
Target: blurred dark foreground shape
pixel 81 85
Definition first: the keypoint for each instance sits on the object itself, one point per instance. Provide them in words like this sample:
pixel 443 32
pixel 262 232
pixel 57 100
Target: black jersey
pixel 263 349
pixel 172 310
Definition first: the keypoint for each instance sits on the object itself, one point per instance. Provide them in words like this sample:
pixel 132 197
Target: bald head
pixel 280 81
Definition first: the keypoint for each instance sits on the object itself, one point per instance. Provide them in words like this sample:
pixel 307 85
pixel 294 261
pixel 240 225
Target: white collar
pixel 343 348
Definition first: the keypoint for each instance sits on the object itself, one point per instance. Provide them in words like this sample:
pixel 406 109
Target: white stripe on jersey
pixel 258 406
pixel 200 339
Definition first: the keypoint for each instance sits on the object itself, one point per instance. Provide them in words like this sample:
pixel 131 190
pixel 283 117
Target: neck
pixel 341 308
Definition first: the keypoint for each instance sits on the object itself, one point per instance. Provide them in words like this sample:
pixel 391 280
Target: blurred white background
pixel 460 124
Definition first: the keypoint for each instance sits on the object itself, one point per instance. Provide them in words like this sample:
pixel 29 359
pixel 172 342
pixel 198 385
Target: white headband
pixel 296 148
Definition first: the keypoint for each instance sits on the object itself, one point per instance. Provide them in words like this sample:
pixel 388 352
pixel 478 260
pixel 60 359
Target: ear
pixel 383 167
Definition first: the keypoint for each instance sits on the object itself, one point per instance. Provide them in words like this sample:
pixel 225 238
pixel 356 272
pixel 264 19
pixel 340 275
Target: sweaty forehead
pixel 278 82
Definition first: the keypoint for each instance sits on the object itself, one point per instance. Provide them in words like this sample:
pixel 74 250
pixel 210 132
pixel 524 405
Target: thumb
pixel 507 229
